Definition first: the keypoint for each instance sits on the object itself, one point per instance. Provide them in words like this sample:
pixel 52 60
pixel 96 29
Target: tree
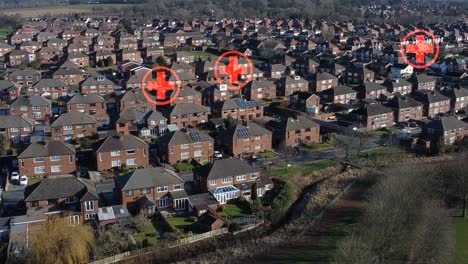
pixel 109 61
pixel 253 192
pixel 230 121
pixel 113 240
pixel 59 241
pixel 161 61
pixel 4 75
pixel 35 65
pixel 101 63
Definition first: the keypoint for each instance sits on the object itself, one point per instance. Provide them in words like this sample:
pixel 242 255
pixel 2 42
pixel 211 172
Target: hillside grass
pixel 461 227
pixel 61 10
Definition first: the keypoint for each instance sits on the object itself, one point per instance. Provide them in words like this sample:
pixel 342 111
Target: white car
pixel 24 180
pixel 15 176
pixel 218 155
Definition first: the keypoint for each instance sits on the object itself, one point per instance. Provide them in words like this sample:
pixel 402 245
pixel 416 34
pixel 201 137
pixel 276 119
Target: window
pixel 129 193
pixel 39 170
pixel 130 151
pixel 26 129
pixel 23 108
pixel 227 179
pixel 131 162
pixel 198 144
pixel 213 182
pixel 37 115
pixel 89 205
pixel 198 153
pixel 56 168
pixel 90 216
pixel 241 178
pixel 254 176
pixel 116 163
pixel 75 219
pixel 162 188
pixel 55 158
pixel 51 201
pixel 185 155
pixel 115 153
pixel 34 204
pixel 163 202
pixel 14 129
pixel 38 159
pixel 176 187
pixel 71 199
pixel 67 127
pixel 184 146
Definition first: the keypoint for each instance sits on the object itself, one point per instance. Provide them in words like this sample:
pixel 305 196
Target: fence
pixel 170 244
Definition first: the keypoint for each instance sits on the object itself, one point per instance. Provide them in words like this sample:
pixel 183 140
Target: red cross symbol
pixel 233 69
pixel 420 48
pixel 161 86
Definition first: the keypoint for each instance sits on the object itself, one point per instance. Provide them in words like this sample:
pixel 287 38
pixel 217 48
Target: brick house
pixel 151 188
pixel 250 138
pixel 139 121
pixel 374 116
pixel 448 130
pixel 306 102
pixel 47 158
pixel 399 86
pixel 238 109
pixel 73 125
pixel 341 94
pixel 69 74
pixel 423 82
pixel 79 59
pixel 76 198
pixel 293 131
pixel 48 55
pixel 20 57
pixel 405 109
pixel 34 107
pixel 187 114
pixel 228 179
pixel 130 55
pixel 323 81
pixel 91 104
pixel 458 98
pixel 259 89
pixel 276 71
pixel 134 98
pixel 289 85
pixel 25 77
pixel 187 95
pixel 97 85
pixel 9 90
pixel 180 146
pixel 50 87
pixel 305 65
pixel 116 150
pixel 359 74
pixel 372 90
pixel 218 92
pixel 16 128
pixel 5 49
pixel 433 102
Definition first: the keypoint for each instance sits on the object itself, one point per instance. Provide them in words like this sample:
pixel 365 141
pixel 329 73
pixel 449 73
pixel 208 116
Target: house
pixel 187 114
pixel 9 90
pixel 20 57
pixel 180 146
pixel 305 102
pixel 50 88
pixel 140 121
pixel 210 222
pixel 250 138
pixel 16 128
pixel 374 116
pixel 151 188
pixel 293 131
pixel 371 90
pixel 434 103
pixel 305 65
pixel 259 90
pixel 399 71
pixel 69 74
pixel 359 74
pixel 289 85
pixel 238 109
pixel 91 104
pixel 324 81
pixel 201 203
pixel 73 197
pixel 133 98
pixel 116 150
pixel 73 125
pixel 79 59
pixel 276 71
pixel 47 158
pixel 399 86
pixel 423 82
pixel 405 109
pixel 458 98
pixel 5 49
pixel 25 77
pixel 97 85
pixel 187 95
pixel 447 130
pixel 341 94
pixel 34 107
pixel 228 179
pixel 182 56
pixel 218 92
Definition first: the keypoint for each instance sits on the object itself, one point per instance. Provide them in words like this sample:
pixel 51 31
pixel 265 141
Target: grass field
pixel 461 226
pixel 303 169
pixel 60 10
pixel 4 31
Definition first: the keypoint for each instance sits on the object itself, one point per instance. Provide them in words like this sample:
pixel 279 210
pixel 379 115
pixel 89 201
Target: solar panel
pixel 243 132
pixel 246 104
pixel 195 136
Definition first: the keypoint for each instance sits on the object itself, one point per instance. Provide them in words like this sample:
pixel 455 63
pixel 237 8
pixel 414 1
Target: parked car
pixel 24 180
pixel 15 176
pixel 218 155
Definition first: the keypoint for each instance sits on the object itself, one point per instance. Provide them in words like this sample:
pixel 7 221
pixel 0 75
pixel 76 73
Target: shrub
pixel 284 198
pixel 234 227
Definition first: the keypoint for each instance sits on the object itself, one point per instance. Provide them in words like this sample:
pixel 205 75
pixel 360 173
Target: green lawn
pixel 315 146
pixel 183 166
pixel 461 226
pixel 184 223
pixel 267 154
pixel 148 234
pixel 237 209
pixel 303 169
pixel 33 180
pixel 61 9
pixel 4 32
